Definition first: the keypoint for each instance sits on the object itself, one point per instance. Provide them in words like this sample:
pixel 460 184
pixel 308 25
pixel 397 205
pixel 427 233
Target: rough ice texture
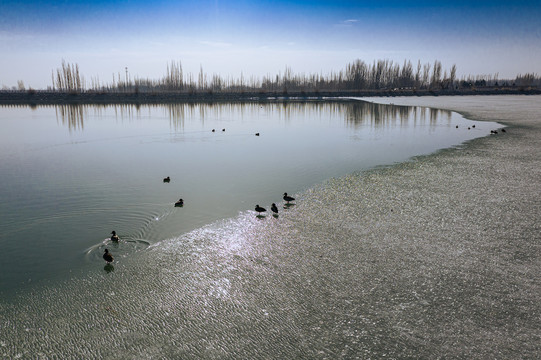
pixel 437 257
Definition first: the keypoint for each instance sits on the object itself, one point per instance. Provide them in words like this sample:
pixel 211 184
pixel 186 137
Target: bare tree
pixel 68 78
pixel 426 75
pixel 452 76
pixel 436 74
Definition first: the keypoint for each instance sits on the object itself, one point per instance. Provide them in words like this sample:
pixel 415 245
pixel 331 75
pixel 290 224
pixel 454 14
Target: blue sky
pixel 262 37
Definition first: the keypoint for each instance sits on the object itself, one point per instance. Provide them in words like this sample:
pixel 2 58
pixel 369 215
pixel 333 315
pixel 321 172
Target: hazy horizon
pixel 263 37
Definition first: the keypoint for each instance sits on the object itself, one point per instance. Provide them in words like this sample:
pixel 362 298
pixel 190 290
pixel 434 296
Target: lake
pixel 72 174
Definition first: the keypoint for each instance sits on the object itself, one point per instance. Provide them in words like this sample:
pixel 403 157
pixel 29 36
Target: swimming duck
pixel 274 208
pixel 213 130
pixel 114 236
pixel 259 209
pixel 167 179
pixel 107 256
pixel 256 134
pixel 223 129
pixel 288 198
pixel 179 203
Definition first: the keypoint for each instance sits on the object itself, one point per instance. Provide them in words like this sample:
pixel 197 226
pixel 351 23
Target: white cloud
pixel 216 44
pixel 347 23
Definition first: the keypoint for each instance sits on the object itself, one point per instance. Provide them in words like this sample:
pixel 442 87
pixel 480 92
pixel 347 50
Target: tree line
pixel 357 75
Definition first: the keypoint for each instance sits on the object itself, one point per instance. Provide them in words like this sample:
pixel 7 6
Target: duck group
pixel 274 208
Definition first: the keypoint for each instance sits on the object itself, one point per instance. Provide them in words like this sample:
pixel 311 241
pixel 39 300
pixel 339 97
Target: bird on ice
pixel 259 209
pixel 288 198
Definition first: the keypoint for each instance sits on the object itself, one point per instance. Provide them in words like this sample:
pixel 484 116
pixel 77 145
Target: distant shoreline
pixel 46 97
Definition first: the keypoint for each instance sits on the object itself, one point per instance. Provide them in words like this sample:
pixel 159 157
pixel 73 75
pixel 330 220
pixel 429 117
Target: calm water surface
pixel 72 174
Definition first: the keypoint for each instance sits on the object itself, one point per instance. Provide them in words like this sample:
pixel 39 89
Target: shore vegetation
pixel 358 78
